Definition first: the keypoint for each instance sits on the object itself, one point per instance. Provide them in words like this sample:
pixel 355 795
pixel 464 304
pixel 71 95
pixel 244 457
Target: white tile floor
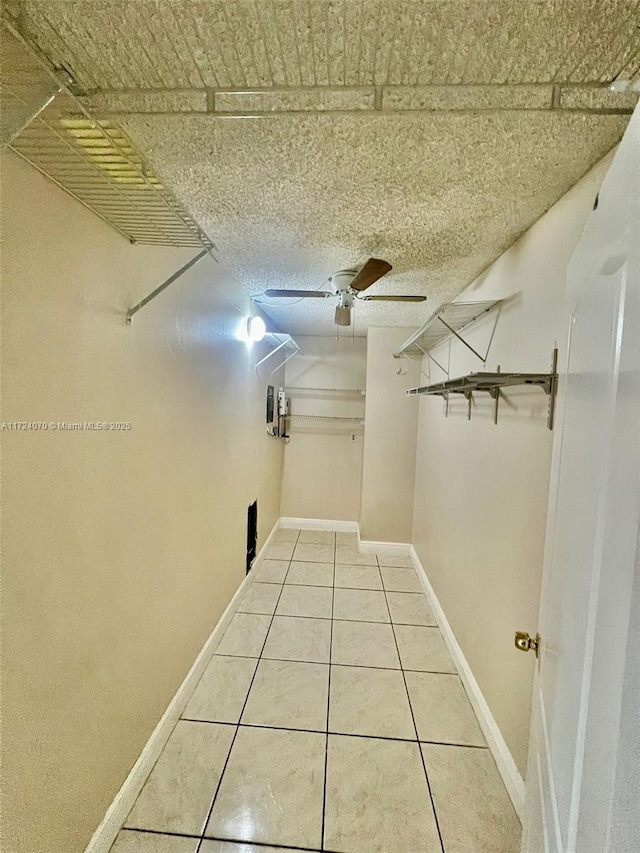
pixel 331 718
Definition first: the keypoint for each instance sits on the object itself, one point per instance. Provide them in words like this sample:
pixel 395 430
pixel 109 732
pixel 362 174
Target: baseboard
pixel 106 833
pixel 372 543
pixel 321 524
pixel 511 777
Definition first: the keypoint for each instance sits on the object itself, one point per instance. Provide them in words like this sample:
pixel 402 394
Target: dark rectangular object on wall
pixel 252 533
pixel 270 403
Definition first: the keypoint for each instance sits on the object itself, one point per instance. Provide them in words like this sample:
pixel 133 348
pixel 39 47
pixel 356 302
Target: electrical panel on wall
pixel 280 415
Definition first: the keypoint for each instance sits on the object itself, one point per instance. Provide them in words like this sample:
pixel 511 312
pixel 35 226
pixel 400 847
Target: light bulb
pixel 242 332
pixel 256 328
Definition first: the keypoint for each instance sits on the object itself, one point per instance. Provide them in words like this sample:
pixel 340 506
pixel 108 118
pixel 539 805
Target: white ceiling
pixel 430 133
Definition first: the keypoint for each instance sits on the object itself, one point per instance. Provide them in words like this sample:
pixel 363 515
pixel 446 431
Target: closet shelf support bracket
pixel 176 275
pixel 492 383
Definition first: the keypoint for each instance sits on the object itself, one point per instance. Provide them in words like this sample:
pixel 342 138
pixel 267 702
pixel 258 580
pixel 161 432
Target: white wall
pixel 323 467
pixel 389 460
pixel 120 549
pixel 481 490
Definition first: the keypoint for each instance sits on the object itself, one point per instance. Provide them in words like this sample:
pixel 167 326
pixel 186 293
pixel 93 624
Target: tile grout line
pixel 326 743
pixel 286 574
pixel 353 665
pixel 329 618
pixel 168 832
pixel 424 766
pixel 235 734
pixel 233 841
pixel 337 586
pixel 322 732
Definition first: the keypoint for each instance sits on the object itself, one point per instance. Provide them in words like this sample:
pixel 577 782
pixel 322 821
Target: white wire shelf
pixel 325 392
pixel 47 125
pixel 324 423
pixel 448 320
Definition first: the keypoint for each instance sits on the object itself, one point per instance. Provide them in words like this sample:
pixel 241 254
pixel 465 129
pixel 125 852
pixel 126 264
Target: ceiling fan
pixel 347 285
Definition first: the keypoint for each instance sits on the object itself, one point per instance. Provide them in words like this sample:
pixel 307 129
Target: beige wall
pixel 323 469
pixel 389 460
pixel 481 490
pixel 120 549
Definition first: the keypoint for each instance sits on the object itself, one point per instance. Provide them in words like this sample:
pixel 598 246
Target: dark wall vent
pixel 252 533
pixel 270 404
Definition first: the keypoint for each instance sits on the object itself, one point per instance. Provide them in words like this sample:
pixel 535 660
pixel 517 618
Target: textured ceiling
pixel 289 201
pixel 149 44
pixel 305 136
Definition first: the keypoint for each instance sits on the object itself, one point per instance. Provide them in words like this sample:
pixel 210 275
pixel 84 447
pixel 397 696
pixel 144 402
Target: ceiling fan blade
pixel 298 294
pixel 342 316
pixel 370 273
pixel 391 298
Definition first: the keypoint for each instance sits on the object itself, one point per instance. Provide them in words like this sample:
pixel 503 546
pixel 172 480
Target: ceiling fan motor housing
pixel 341 284
pixel 341 281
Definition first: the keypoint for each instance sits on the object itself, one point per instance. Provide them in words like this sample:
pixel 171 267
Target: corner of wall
pixel 388 473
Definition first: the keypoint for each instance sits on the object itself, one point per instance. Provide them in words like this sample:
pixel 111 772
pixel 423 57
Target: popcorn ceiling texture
pixel 289 200
pixel 179 44
pixel 323 174
pixel 467 97
pixel 171 101
pixel 591 98
pixel 296 100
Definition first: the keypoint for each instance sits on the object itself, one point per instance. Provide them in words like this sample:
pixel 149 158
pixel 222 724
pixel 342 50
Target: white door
pixel 583 794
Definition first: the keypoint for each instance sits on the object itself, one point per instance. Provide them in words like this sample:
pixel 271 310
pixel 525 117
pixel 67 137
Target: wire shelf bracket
pixel 446 322
pixel 176 275
pixel 282 345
